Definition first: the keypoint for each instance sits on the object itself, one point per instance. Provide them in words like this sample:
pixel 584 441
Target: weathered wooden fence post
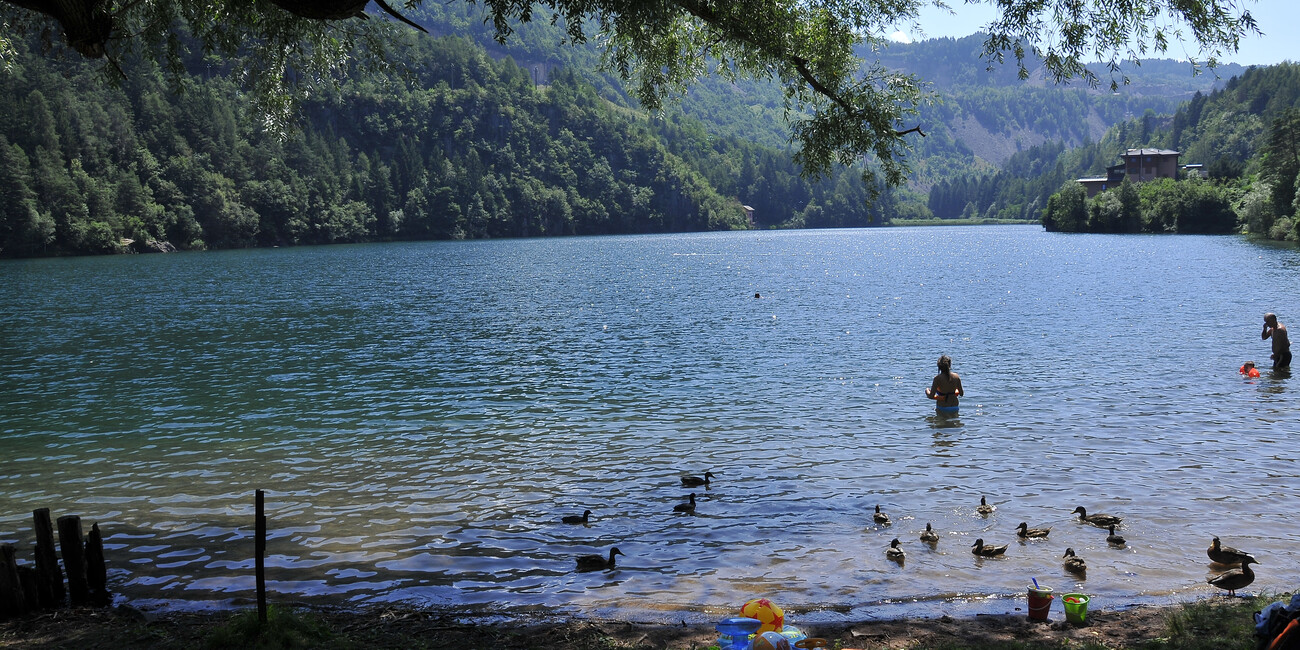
pixel 74 558
pixel 12 601
pixel 96 567
pixel 49 579
pixel 260 551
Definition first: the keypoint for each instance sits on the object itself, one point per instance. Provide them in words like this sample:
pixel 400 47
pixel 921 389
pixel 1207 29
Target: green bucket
pixel 1076 608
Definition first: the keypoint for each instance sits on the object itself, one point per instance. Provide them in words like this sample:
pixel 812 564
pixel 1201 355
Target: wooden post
pixel 260 550
pixel 74 558
pixel 12 601
pixel 96 568
pixel 49 579
pixel 27 577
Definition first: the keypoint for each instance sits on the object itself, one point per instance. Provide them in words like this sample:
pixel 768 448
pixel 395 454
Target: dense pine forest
pixel 524 138
pixel 470 147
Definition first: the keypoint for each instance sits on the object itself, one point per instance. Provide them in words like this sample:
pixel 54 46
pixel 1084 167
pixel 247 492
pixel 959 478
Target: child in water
pixel 946 387
pixel 1249 370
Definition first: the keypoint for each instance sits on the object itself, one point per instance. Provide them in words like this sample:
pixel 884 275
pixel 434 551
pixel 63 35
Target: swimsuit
pixel 1283 360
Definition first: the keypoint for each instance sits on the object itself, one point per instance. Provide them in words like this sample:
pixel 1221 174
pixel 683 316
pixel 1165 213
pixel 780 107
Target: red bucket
pixel 1040 601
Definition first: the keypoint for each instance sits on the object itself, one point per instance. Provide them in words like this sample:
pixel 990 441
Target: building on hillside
pixel 1139 165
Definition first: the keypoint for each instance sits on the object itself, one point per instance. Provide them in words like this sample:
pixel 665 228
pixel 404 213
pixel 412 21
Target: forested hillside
pixel 471 148
pixel 1247 135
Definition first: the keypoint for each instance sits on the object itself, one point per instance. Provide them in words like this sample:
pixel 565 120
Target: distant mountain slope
pixel 984 116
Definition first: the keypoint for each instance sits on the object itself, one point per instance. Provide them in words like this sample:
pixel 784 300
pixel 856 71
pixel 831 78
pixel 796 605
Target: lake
pixel 421 415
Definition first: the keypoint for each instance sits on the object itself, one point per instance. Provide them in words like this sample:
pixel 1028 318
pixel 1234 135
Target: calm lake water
pixel 421 416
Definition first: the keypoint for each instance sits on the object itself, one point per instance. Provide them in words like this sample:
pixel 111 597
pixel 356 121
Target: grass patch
pixel 1217 624
pixel 284 629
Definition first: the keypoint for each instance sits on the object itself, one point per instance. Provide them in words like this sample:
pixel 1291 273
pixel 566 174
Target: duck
pixel 686 507
pixel 1234 579
pixel 1227 554
pixel 984 508
pixel 1024 531
pixel 894 552
pixel 980 549
pixel 1074 563
pixel 880 517
pixel 1099 520
pixel 696 481
pixel 578 519
pixel 598 562
pixel 1112 538
pixel 928 535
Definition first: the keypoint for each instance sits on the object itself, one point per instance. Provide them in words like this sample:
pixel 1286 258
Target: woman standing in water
pixel 946 387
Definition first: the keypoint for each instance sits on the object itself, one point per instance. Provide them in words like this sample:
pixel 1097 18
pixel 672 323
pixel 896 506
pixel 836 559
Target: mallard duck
pixel 980 549
pixel 1074 563
pixel 686 507
pixel 928 535
pixel 1234 579
pixel 1112 538
pixel 578 519
pixel 696 481
pixel 1024 530
pixel 894 552
pixel 880 517
pixel 597 562
pixel 1227 554
pixel 1099 520
pixel 984 508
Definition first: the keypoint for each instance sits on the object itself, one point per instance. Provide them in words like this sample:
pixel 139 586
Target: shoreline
pixel 124 626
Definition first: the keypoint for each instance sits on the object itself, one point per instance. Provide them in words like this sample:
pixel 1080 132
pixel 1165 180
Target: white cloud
pixel 900 37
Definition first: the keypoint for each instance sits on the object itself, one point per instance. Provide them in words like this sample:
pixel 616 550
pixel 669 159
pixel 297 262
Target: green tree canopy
pixel 845 106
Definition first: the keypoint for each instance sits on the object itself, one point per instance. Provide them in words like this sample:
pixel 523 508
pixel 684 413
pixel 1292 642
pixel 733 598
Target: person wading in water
pixel 946 387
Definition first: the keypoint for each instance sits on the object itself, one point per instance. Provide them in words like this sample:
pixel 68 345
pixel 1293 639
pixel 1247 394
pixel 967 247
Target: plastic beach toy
pixel 766 611
pixel 1076 608
pixel 1040 601
pixel 736 631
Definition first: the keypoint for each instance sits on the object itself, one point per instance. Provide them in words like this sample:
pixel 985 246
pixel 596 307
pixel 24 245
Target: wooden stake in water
pixel 73 547
pixel 260 551
pixel 49 579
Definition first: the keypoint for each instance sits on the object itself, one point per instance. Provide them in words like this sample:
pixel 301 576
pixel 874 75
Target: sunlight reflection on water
pixel 421 415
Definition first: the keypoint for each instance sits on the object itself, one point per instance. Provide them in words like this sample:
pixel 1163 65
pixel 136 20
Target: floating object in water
pixel 1226 554
pixel 696 481
pixel 1024 530
pixel 1099 519
pixel 578 519
pixel 1074 563
pixel 597 562
pixel 894 552
pixel 1235 579
pixel 984 508
pixel 688 508
pixel 880 517
pixel 928 535
pixel 1112 538
pixel 980 549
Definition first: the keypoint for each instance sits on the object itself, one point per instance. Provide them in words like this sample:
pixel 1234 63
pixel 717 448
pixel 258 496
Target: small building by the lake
pixel 1139 165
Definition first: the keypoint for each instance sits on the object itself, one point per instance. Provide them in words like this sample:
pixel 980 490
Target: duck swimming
pixel 597 562
pixel 928 535
pixel 1099 520
pixel 686 507
pixel 1227 554
pixel 984 508
pixel 1112 538
pixel 578 519
pixel 981 550
pixel 894 552
pixel 1234 579
pixel 880 517
pixel 1074 563
pixel 1024 531
pixel 696 481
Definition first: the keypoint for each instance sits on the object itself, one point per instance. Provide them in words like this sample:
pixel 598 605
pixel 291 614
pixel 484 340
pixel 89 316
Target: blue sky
pixel 1277 19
